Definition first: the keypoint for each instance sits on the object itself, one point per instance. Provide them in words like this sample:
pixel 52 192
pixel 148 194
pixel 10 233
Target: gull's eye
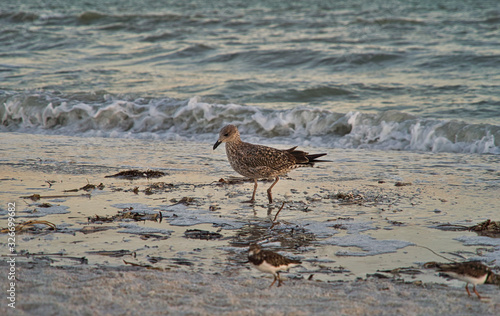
pixel 226 135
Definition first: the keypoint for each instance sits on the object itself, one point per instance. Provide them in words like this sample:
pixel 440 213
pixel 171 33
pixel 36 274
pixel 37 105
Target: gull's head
pixel 228 133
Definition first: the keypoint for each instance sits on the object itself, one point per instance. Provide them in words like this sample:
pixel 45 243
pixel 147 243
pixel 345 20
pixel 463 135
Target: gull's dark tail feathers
pixel 304 158
pixel 314 159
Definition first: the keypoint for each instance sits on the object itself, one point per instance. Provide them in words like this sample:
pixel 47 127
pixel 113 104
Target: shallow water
pixel 397 75
pixel 336 239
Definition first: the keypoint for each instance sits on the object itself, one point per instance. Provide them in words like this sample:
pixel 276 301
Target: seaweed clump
pixel 134 174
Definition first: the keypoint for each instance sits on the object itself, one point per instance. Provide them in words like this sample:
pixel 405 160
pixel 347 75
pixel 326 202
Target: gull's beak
pixel 217 143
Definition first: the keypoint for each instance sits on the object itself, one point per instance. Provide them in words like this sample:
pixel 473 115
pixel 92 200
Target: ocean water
pixel 385 75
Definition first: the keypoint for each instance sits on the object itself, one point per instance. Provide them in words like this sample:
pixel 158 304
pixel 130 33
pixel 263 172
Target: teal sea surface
pixel 385 75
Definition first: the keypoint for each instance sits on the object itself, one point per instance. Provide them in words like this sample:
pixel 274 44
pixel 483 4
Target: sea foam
pixel 196 120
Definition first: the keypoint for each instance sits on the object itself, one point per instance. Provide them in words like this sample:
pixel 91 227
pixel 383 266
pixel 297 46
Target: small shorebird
pixel 257 161
pixel 270 262
pixel 470 272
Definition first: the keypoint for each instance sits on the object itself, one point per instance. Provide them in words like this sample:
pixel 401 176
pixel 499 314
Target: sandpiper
pixel 270 262
pixel 473 272
pixel 258 162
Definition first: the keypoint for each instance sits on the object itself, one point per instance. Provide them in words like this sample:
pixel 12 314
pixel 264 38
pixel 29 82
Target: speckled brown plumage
pixel 473 272
pixel 270 262
pixel 258 161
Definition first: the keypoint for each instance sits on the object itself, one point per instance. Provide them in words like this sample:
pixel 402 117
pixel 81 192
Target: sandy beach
pixel 130 291
pixel 177 244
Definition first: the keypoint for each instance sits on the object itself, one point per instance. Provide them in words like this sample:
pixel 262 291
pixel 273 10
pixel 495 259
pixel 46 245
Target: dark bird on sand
pixel 270 262
pixel 473 272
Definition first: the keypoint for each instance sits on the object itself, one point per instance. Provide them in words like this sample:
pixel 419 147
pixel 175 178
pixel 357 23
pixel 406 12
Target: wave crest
pixel 113 116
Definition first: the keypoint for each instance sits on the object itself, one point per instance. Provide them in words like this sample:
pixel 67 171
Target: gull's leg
pixel 269 195
pixel 254 190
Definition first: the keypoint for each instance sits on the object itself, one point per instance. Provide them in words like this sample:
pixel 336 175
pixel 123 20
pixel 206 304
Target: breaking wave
pixel 104 115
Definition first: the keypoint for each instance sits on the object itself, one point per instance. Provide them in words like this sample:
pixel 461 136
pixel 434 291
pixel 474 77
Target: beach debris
pixel 233 180
pixel 395 223
pixel 30 226
pixel 487 228
pixel 402 270
pixel 144 232
pixel 182 262
pixel 137 174
pixel 330 270
pixel 452 227
pixel 364 198
pixel 146 236
pixel 377 275
pixel 50 182
pixel 127 213
pixel 314 198
pixel 113 253
pixel 202 234
pixel 98 218
pixel 300 205
pixel 143 265
pixel 402 184
pixel 36 197
pixel 94 229
pixel 289 235
pixel 88 187
pixel 155 259
pixel 50 256
pixel 342 225
pixel 153 188
pixel 348 198
pixel 214 207
pixel 158 187
pixel 187 200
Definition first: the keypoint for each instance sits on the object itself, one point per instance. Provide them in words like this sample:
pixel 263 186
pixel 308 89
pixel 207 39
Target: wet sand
pixel 132 291
pixel 364 213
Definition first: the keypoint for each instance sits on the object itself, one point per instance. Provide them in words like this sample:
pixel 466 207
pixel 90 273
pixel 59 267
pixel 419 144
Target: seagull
pixel 258 161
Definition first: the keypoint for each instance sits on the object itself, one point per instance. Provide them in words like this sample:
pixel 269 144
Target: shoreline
pixel 357 216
